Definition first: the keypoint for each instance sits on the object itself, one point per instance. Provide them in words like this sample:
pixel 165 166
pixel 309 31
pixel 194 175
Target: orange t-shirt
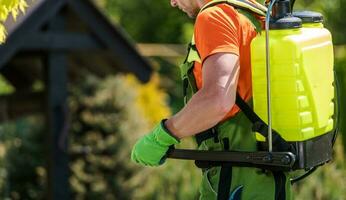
pixel 221 29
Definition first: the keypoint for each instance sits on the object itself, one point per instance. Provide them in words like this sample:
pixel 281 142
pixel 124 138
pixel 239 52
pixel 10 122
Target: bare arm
pixel 213 101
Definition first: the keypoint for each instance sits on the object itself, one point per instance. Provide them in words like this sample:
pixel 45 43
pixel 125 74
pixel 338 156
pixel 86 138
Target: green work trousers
pixel 248 183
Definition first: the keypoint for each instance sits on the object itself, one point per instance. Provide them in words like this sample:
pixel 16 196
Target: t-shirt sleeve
pixel 216 32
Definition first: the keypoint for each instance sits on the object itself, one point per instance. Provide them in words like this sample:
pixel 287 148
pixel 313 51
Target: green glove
pixel 151 149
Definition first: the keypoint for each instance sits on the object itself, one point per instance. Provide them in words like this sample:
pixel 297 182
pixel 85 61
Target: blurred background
pixel 82 80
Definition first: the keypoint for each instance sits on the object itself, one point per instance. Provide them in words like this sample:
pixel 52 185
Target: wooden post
pixel 56 83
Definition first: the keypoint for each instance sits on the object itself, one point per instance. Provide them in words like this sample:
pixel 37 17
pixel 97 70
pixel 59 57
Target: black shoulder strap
pixel 258 125
pixel 240 4
pixel 249 113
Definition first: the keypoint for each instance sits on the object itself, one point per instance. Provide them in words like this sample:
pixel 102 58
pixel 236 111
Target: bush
pixel 21 147
pixel 108 117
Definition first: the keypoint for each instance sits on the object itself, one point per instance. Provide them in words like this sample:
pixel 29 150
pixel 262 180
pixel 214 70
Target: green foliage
pixel 21 148
pixel 5 87
pixel 101 136
pixel 107 117
pixel 328 182
pixel 334 15
pixel 335 19
pixel 161 24
pixel 107 120
pixel 154 21
pixel 340 72
pixel 171 81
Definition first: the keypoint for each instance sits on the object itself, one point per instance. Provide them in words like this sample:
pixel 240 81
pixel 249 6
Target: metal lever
pixel 261 159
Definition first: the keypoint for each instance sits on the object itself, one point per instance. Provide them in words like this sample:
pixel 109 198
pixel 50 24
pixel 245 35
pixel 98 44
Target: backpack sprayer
pixel 295 111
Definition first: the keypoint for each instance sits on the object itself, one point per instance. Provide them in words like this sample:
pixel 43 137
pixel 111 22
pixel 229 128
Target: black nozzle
pixel 282 16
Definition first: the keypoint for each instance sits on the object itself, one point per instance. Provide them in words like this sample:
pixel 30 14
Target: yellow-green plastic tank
pixel 302 78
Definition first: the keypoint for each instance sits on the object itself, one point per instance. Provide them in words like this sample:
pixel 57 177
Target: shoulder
pixel 217 30
pixel 217 13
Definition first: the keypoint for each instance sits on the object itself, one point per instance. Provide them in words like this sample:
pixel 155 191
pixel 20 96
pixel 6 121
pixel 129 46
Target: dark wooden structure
pixel 52 43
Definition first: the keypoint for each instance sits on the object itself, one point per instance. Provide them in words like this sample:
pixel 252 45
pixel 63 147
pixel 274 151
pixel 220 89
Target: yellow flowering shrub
pixel 151 100
pixel 9 7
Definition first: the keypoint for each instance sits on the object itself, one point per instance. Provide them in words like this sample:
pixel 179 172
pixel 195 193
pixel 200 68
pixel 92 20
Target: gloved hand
pixel 151 149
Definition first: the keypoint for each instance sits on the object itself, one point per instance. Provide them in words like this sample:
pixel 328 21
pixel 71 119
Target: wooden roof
pixel 88 39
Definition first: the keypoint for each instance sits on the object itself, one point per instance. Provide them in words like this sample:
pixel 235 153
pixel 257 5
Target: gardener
pixel 219 59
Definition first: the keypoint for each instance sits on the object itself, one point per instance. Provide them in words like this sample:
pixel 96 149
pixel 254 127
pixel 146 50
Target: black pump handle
pixel 292 4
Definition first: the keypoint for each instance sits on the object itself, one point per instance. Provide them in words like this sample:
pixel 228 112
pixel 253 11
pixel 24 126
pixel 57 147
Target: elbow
pixel 222 104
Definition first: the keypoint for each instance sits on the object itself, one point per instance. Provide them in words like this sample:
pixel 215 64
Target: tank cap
pixel 309 16
pixel 288 22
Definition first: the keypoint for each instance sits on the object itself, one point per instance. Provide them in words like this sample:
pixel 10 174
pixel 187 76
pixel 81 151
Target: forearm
pixel 202 112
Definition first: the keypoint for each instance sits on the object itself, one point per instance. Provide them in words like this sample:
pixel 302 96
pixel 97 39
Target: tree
pixel 154 21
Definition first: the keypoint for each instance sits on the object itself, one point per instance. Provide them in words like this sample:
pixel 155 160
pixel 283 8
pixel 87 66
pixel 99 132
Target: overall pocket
pixel 210 179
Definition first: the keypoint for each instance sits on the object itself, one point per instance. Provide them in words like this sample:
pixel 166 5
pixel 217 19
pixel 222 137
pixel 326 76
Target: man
pixel 222 39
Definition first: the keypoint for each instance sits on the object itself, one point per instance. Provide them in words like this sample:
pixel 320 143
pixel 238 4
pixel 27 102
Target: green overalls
pixel 226 182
